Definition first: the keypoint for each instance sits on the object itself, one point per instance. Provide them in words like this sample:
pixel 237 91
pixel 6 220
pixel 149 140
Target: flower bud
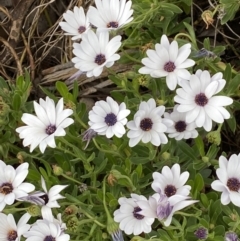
pixel 201 233
pixel 231 236
pixel 34 210
pixel 70 210
pixel 57 170
pixel 72 224
pixel 214 137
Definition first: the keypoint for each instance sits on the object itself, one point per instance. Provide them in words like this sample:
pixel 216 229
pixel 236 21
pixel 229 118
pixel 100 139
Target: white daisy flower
pixel 171 182
pixel 77 24
pixel 108 118
pixel 148 125
pixel 96 51
pixel 110 14
pixel 131 222
pixel 168 61
pixel 46 198
pixel 12 186
pixel 9 230
pixel 180 128
pixel 47 215
pixel 197 101
pixel 229 180
pixel 44 230
pixel 163 208
pixel 49 122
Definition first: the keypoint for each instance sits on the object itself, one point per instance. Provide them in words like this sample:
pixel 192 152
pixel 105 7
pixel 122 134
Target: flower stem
pixel 106 151
pixel 93 219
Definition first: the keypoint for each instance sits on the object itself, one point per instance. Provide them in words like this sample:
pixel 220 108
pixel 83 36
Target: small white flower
pixel 52 195
pixel 47 215
pixel 148 125
pixel 110 14
pixel 9 230
pixel 77 24
pixel 197 101
pixel 96 51
pixel 108 118
pixel 49 122
pixel 163 208
pixel 168 60
pixel 44 230
pixel 46 198
pixel 12 186
pixel 171 182
pixel 131 222
pixel 180 128
pixel 229 180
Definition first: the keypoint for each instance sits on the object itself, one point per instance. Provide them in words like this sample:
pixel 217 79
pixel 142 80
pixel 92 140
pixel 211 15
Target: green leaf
pixel 230 11
pixel 62 89
pixel 75 90
pixel 198 185
pixel 20 83
pixel 232 124
pixel 204 200
pixel 233 85
pixel 200 145
pixel 227 75
pixel 192 34
pixel 171 7
pixel 187 150
pixel 17 101
pixel 48 93
pixel 3 84
pixel 215 211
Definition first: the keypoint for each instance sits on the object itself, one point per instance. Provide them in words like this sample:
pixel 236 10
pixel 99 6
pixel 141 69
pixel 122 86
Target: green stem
pixel 79 120
pixel 71 179
pixel 131 58
pixel 104 199
pixel 185 35
pixel 93 219
pixel 106 151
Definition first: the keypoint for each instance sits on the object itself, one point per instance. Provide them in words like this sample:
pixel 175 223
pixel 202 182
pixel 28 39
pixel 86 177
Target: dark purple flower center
pixel 112 25
pixel 6 188
pixel 81 29
pixel 136 214
pixel 12 235
pixel 100 59
pixel 201 99
pixel 49 238
pixel 233 184
pixel 170 190
pixel 45 198
pixel 201 233
pixel 111 119
pixel 180 126
pixel 51 129
pixel 146 124
pixel 169 66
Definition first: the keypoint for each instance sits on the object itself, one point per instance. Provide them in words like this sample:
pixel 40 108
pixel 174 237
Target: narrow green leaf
pixel 62 88
pixel 171 7
pixel 200 145
pixel 227 75
pixel 192 34
pixel 187 150
pixel 17 101
pixel 233 85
